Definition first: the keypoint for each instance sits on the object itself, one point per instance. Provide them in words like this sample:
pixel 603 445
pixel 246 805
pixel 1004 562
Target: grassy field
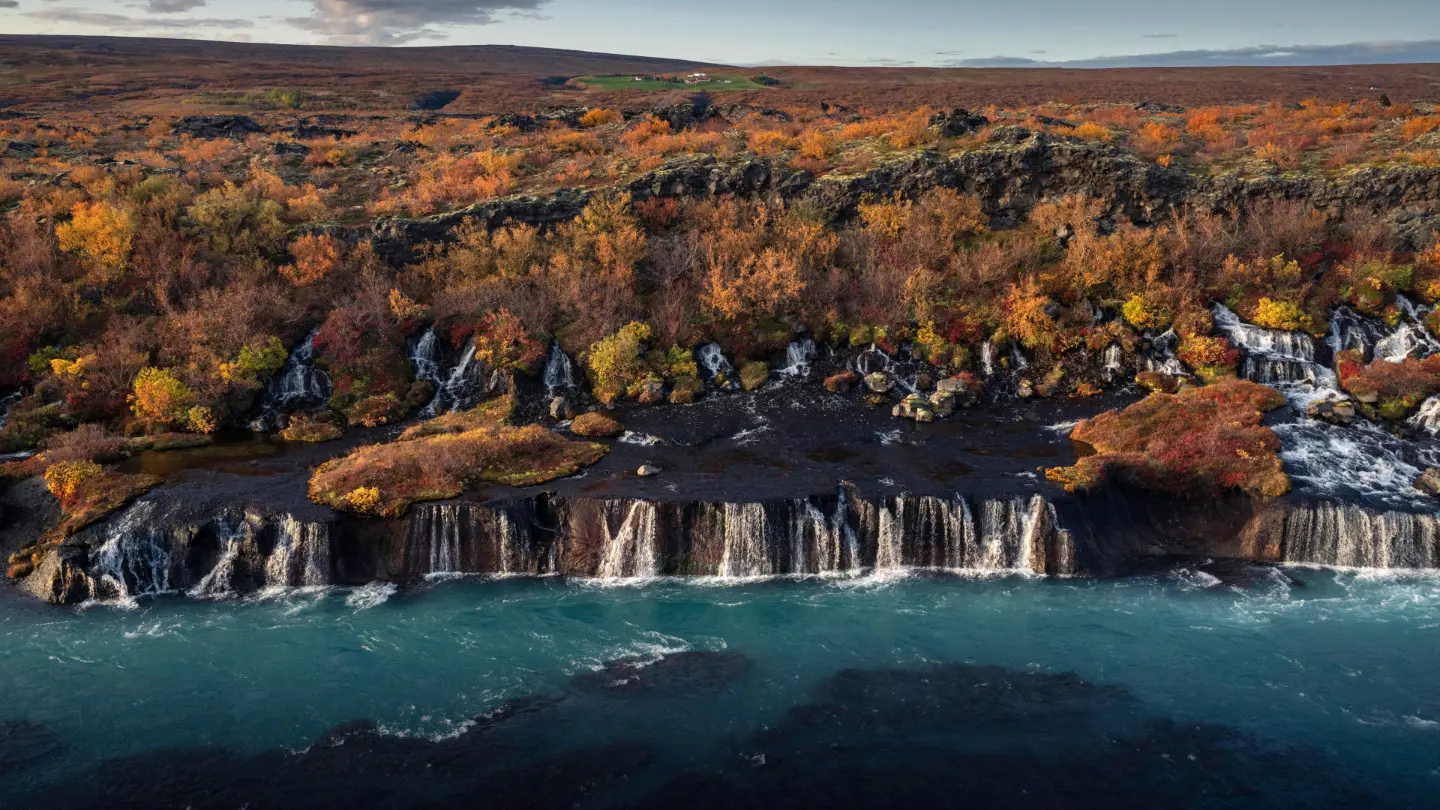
pixel 629 83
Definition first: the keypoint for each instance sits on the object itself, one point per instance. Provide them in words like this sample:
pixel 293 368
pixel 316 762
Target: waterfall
pixel 890 537
pixel 457 390
pixel 631 550
pixel 1113 361
pixel 1017 358
pixel 6 403
pixel 1360 460
pixel 746 541
pixel 987 359
pixel 299 385
pixel 1286 360
pixel 1349 331
pixel 1160 356
pixel 559 371
pixel 301 556
pixel 467 538
pixel 1427 419
pixel 425 358
pixel 1349 536
pixel 800 356
pixel 134 560
pixel 712 359
pixel 821 544
pixel 221 579
pixel 1257 340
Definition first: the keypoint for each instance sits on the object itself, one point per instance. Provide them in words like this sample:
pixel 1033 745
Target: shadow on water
pixel 935 735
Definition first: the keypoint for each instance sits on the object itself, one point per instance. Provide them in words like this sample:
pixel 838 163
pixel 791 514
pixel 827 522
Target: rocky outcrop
pixel 211 127
pixel 1014 172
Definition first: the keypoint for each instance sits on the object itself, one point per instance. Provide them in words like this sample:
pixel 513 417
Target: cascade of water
pixel 1350 331
pixel 559 371
pixel 1346 535
pixel 1017 358
pixel 800 355
pixel 987 358
pixel 425 358
pixel 6 403
pixel 134 560
pixel 220 581
pixel 1001 530
pixel 890 540
pixel 632 550
pixel 747 541
pixel 1257 340
pixel 457 390
pixel 1427 419
pixel 1160 356
pixel 1360 460
pixel 298 385
pixel 301 556
pixel 712 359
pixel 1113 361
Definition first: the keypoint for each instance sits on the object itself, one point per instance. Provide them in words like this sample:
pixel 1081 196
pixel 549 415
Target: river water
pixel 1176 689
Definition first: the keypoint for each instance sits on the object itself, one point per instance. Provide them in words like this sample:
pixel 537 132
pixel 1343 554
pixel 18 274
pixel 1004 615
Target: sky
pixel 900 33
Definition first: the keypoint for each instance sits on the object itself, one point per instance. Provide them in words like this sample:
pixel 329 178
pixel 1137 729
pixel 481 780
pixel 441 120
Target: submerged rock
pixel 1335 411
pixel 842 383
pixel 1429 482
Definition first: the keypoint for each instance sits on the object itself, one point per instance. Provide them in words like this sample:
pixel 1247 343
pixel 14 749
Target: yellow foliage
pixel 64 479
pixel 102 234
pixel 1093 132
pixel 1147 313
pixel 201 419
pixel 600 117
pixel 71 368
pixel 363 499
pixel 160 397
pixel 315 258
pixel 1273 314
pixel 886 218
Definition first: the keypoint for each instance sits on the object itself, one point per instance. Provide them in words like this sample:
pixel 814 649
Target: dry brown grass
pixel 441 462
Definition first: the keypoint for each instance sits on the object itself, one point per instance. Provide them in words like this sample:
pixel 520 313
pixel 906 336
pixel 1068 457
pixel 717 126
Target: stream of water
pixel 1191 692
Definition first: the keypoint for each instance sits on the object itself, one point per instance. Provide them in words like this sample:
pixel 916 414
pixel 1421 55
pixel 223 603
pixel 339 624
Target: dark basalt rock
pixel 23 150
pixel 434 100
pixel 958 123
pixel 305 133
pixel 1158 108
pixel 675 673
pixel 986 737
pixel 290 148
pixel 1016 170
pixel 24 744
pixel 210 127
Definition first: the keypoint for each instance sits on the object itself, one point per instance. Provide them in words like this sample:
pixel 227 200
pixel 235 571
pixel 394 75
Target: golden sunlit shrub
pixel 1147 312
pixel 885 218
pixel 235 220
pixel 102 234
pixel 616 363
pixel 770 142
pixel 64 479
pixel 158 397
pixel 1273 314
pixel 316 256
pixel 599 117
pixel 1091 131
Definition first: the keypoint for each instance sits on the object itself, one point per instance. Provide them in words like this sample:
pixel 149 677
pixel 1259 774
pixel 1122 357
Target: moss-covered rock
pixel 595 425
pixel 753 375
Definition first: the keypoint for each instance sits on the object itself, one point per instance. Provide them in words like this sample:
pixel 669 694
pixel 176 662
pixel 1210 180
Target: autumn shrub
pixel 310 429
pixel 88 442
pixel 1394 390
pixel 160 398
pixel 596 425
pixel 601 116
pixel 315 257
pixel 100 233
pixel 439 466
pixel 236 220
pixel 504 343
pixel 1147 313
pixel 254 364
pixel 616 364
pixel 64 479
pixel 374 411
pixel 1283 315
pixel 1209 357
pixel 1198 443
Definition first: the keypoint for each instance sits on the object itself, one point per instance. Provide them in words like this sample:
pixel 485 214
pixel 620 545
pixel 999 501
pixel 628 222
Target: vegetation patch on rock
pixel 596 426
pixel 477 447
pixel 1200 442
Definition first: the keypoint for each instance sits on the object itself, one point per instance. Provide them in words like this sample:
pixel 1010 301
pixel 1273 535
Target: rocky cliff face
pixel 1011 174
pixel 158 546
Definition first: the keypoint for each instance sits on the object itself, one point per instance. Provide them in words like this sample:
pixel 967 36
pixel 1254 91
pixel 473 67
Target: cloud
pixel 173 6
pixel 121 22
pixel 9 3
pixel 396 22
pixel 1159 36
pixel 1353 53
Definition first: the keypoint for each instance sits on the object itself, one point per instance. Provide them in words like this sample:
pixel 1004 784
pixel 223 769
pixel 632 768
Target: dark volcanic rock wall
pixel 1017 170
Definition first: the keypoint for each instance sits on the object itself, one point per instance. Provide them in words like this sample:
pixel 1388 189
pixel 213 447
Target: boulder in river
pixel 1429 482
pixel 916 407
pixel 1335 411
pixel 842 383
pixel 879 383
